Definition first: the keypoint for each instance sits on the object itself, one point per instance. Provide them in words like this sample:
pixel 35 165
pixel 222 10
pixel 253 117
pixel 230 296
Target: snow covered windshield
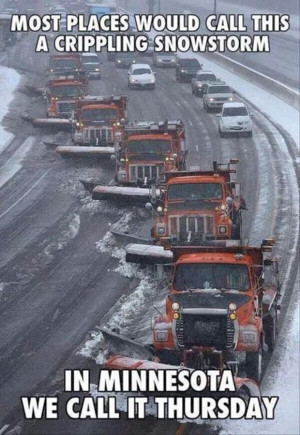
pixel 141 71
pixel 219 90
pixel 235 111
pixel 195 191
pixel 98 114
pixel 211 276
pixel 149 146
pixel 206 78
pixel 63 64
pixel 67 91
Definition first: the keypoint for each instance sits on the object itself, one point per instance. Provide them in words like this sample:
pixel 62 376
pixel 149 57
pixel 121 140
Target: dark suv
pixel 186 69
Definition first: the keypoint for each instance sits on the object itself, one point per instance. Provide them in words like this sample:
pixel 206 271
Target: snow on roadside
pixel 283 383
pixel 9 81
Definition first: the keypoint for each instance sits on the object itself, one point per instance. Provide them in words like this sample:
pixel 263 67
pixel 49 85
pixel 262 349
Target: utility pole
pixel 158 6
pixel 215 7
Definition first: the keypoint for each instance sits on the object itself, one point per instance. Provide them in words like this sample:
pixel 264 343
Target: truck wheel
pixel 271 330
pixel 249 134
pixel 254 365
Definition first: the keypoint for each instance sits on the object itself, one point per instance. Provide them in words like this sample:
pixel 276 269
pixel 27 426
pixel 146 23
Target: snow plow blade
pixel 121 193
pixel 84 151
pixel 147 254
pixel 57 123
pixel 244 387
pixel 117 344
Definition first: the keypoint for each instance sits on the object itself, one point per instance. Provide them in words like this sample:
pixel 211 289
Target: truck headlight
pixel 175 306
pixel 153 80
pixel 222 229
pixel 161 335
pixel 199 85
pixel 232 306
pixel 97 69
pixel 231 99
pixel 161 229
pixel 211 99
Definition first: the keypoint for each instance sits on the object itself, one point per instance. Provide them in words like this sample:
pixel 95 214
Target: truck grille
pixel 65 108
pixel 205 330
pixel 98 136
pixel 197 226
pixel 141 172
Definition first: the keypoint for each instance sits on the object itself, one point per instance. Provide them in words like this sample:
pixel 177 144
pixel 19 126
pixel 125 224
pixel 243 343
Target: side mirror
pixel 113 157
pixel 129 73
pixel 218 115
pixel 154 73
pixel 148 206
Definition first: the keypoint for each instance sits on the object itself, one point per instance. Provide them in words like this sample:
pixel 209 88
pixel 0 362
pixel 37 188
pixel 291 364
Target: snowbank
pixel 9 80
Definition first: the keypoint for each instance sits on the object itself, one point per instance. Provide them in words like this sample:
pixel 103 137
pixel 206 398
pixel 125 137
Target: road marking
pixel 3 429
pixel 197 147
pixel 178 104
pixel 111 182
pixel 190 122
pixel 14 163
pixel 25 194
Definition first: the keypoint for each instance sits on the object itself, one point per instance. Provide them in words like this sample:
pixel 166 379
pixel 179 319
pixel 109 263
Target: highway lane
pixel 47 315
pixel 282 63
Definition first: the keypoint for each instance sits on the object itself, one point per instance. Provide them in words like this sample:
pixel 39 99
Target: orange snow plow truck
pixel 221 309
pixel 198 206
pixel 145 152
pixel 97 120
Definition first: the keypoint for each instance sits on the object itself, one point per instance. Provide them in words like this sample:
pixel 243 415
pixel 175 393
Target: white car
pixel 234 119
pixel 140 75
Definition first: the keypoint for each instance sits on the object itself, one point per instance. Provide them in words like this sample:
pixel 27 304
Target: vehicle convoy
pixel 215 94
pixel 145 152
pixel 202 78
pixel 222 306
pixel 59 64
pixel 198 206
pixel 164 60
pixel 186 69
pixel 140 75
pixel 96 121
pixel 91 64
pixel 234 119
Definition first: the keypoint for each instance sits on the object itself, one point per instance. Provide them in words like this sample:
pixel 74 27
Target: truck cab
pixel 224 300
pixel 64 63
pixel 146 151
pixel 61 95
pixel 98 119
pixel 199 206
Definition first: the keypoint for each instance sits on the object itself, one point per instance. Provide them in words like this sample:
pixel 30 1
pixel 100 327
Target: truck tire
pixel 271 330
pixel 254 365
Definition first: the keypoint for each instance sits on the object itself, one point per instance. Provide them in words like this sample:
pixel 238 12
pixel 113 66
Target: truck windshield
pixel 90 59
pixel 194 191
pixel 219 90
pixel 149 146
pixel 70 64
pixel 206 78
pixel 141 71
pixel 235 111
pixel 98 114
pixel 67 91
pixel 211 276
